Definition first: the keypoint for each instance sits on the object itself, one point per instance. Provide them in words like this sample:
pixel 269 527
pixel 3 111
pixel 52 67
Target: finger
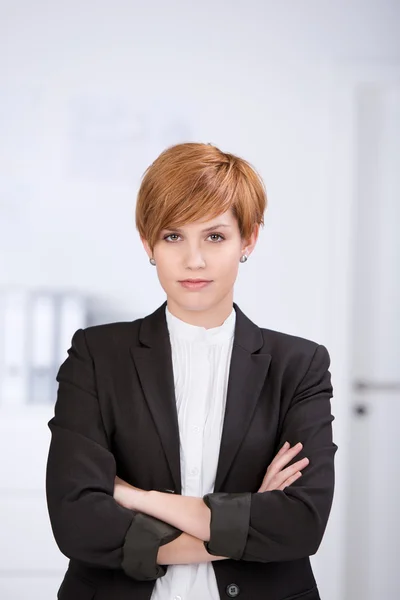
pixel 284 448
pixel 290 480
pixel 280 461
pixel 283 457
pixel 273 481
pixel 282 476
pixel 280 481
pixel 281 452
pixel 287 452
pixel 297 466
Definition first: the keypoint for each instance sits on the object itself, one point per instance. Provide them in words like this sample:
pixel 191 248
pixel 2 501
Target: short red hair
pixel 194 181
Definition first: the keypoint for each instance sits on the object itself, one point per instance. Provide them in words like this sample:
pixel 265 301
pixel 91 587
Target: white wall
pixel 254 78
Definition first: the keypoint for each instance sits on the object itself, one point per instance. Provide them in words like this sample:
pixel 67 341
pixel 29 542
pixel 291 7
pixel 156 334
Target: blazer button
pixel 232 590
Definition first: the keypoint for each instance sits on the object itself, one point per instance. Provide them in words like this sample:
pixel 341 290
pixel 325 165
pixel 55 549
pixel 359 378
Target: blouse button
pixel 232 590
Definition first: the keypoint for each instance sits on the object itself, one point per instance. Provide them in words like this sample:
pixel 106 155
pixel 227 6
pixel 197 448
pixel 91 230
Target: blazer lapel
pixel 247 373
pixel 153 362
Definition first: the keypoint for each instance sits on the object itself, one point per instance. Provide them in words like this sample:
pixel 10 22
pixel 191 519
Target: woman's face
pixel 208 250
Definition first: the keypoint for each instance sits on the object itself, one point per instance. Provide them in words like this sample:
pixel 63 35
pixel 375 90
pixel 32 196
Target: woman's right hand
pixel 276 477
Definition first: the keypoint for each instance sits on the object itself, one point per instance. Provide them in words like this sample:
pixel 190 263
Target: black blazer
pixel 115 414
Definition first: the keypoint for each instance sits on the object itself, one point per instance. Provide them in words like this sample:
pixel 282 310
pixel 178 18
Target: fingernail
pixel 286 444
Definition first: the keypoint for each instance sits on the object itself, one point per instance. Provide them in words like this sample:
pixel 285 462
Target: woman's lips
pixel 194 285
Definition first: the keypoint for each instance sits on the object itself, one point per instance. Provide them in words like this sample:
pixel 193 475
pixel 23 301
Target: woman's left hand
pixel 125 493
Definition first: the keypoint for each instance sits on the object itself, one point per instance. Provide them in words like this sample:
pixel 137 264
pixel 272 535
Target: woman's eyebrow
pixel 215 227
pixel 203 231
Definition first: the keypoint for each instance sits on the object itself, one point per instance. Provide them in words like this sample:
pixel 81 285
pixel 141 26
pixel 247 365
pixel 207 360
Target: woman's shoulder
pixel 281 339
pixel 282 346
pixel 110 336
pixel 289 348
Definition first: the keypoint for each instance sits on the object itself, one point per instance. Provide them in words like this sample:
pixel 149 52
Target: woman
pixel 191 454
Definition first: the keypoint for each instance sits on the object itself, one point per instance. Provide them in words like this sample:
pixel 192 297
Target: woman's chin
pixel 194 302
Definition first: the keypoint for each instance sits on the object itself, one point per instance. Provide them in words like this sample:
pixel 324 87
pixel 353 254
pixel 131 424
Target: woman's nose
pixel 194 258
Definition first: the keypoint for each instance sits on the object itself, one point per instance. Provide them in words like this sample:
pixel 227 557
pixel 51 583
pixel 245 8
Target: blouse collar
pixel 214 335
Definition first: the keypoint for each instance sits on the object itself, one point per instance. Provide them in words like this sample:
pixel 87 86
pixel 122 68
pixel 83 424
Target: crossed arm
pixel 90 525
pixel 192 515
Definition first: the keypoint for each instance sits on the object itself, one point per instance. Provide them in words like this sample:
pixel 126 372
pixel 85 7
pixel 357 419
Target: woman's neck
pixel 208 317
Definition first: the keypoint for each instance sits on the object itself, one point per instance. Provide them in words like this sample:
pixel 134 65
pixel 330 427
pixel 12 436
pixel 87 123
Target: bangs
pixel 190 182
pixel 209 196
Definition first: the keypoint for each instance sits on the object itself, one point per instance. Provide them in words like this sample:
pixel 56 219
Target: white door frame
pixel 331 559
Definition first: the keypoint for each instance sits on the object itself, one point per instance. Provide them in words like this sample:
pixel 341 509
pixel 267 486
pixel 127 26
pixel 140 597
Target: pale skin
pixel 191 252
pixel 204 249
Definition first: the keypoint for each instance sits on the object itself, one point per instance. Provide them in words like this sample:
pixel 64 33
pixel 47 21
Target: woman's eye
pixel 176 235
pixel 217 235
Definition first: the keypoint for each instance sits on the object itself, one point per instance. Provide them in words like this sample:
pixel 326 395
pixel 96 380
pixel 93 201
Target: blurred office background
pixel 309 92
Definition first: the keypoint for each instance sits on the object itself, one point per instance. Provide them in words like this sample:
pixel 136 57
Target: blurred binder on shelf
pixel 36 328
pixel 14 320
pixel 55 318
pixel 72 315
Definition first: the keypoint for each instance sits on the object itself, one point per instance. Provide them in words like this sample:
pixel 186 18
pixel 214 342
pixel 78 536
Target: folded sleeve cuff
pixel 229 526
pixel 143 539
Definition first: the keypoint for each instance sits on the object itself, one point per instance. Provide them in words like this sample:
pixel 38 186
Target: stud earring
pixel 243 258
pixel 152 261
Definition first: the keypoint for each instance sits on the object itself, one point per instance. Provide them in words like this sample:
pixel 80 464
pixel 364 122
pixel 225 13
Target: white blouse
pixel 201 360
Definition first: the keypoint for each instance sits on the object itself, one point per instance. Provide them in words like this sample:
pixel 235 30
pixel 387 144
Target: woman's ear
pixel 249 244
pixel 146 247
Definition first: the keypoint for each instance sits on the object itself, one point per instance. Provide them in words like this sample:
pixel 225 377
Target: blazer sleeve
pixel 87 523
pixel 285 525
